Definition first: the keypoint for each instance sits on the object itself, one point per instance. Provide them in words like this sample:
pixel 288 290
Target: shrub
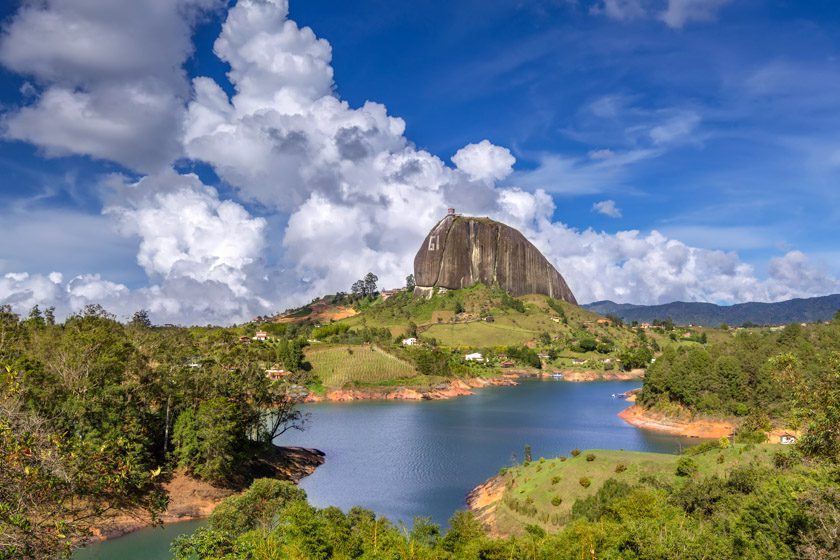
pixel 620 468
pixel 590 457
pixel 562 458
pixel 503 471
pixel 333 329
pixel 556 501
pixel 745 479
pixel 585 482
pixel 686 466
pixel 702 448
pixel 257 507
pixel 720 459
pixel 575 452
pixel 784 459
pixel 555 479
pixel 750 436
pixel 594 506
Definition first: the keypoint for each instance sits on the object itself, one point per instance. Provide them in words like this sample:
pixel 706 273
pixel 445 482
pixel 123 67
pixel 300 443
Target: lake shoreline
pixel 465 387
pixel 483 500
pixel 191 499
pixel 693 427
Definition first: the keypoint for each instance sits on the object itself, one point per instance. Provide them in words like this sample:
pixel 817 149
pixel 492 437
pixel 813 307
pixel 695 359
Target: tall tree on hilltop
pixel 358 288
pixel 370 281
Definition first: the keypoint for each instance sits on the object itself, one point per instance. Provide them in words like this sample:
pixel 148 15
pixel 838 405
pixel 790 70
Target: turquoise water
pixel 404 459
pixel 146 544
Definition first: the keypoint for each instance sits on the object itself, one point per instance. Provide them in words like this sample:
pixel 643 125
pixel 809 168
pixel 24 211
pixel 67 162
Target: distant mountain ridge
pixel 807 310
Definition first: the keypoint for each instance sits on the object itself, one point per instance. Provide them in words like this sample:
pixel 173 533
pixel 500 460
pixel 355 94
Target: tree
pixel 54 488
pixel 410 284
pixel 637 357
pixel 36 318
pixel 290 353
pixel 207 440
pixel 140 320
pixel 49 315
pixel 370 281
pixel 257 507
pixel 588 344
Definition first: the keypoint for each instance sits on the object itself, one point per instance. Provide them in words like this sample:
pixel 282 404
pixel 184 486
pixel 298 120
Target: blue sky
pixel 711 122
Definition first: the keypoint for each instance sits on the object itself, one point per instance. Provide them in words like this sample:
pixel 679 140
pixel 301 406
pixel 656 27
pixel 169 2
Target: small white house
pixel 787 439
pixel 474 357
pixel 261 335
pixel 409 341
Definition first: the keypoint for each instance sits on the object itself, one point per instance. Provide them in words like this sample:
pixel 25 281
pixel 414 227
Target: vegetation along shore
pixel 115 426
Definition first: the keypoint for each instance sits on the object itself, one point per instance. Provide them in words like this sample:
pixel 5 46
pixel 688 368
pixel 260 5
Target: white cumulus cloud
pixel 111 85
pixel 185 230
pixel 484 161
pixel 607 208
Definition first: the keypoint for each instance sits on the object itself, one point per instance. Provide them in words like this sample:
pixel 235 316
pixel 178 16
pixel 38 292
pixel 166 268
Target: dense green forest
pixel 95 415
pixel 762 375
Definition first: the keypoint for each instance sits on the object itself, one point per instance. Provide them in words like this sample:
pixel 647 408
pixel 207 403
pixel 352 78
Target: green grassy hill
pixel 551 334
pixel 479 316
pixel 544 491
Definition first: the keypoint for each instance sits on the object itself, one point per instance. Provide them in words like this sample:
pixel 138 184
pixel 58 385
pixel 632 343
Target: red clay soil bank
pixel 688 427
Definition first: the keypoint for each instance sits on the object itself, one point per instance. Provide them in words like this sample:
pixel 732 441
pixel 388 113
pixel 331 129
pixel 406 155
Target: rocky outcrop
pixel 461 251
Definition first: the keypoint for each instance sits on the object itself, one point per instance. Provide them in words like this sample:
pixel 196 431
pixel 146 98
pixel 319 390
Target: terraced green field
pixel 339 365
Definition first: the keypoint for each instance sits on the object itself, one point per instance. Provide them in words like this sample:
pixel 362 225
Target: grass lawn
pixel 478 334
pixel 340 365
pixel 539 482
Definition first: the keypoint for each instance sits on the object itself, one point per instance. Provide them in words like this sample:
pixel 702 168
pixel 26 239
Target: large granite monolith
pixel 461 251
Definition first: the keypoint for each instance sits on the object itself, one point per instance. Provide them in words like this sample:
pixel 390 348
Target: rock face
pixel 461 251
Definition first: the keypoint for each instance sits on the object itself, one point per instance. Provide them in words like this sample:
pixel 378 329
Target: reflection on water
pixel 406 459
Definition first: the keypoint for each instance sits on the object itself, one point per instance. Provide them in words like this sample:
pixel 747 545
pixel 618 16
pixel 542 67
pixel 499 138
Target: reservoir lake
pixel 404 459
